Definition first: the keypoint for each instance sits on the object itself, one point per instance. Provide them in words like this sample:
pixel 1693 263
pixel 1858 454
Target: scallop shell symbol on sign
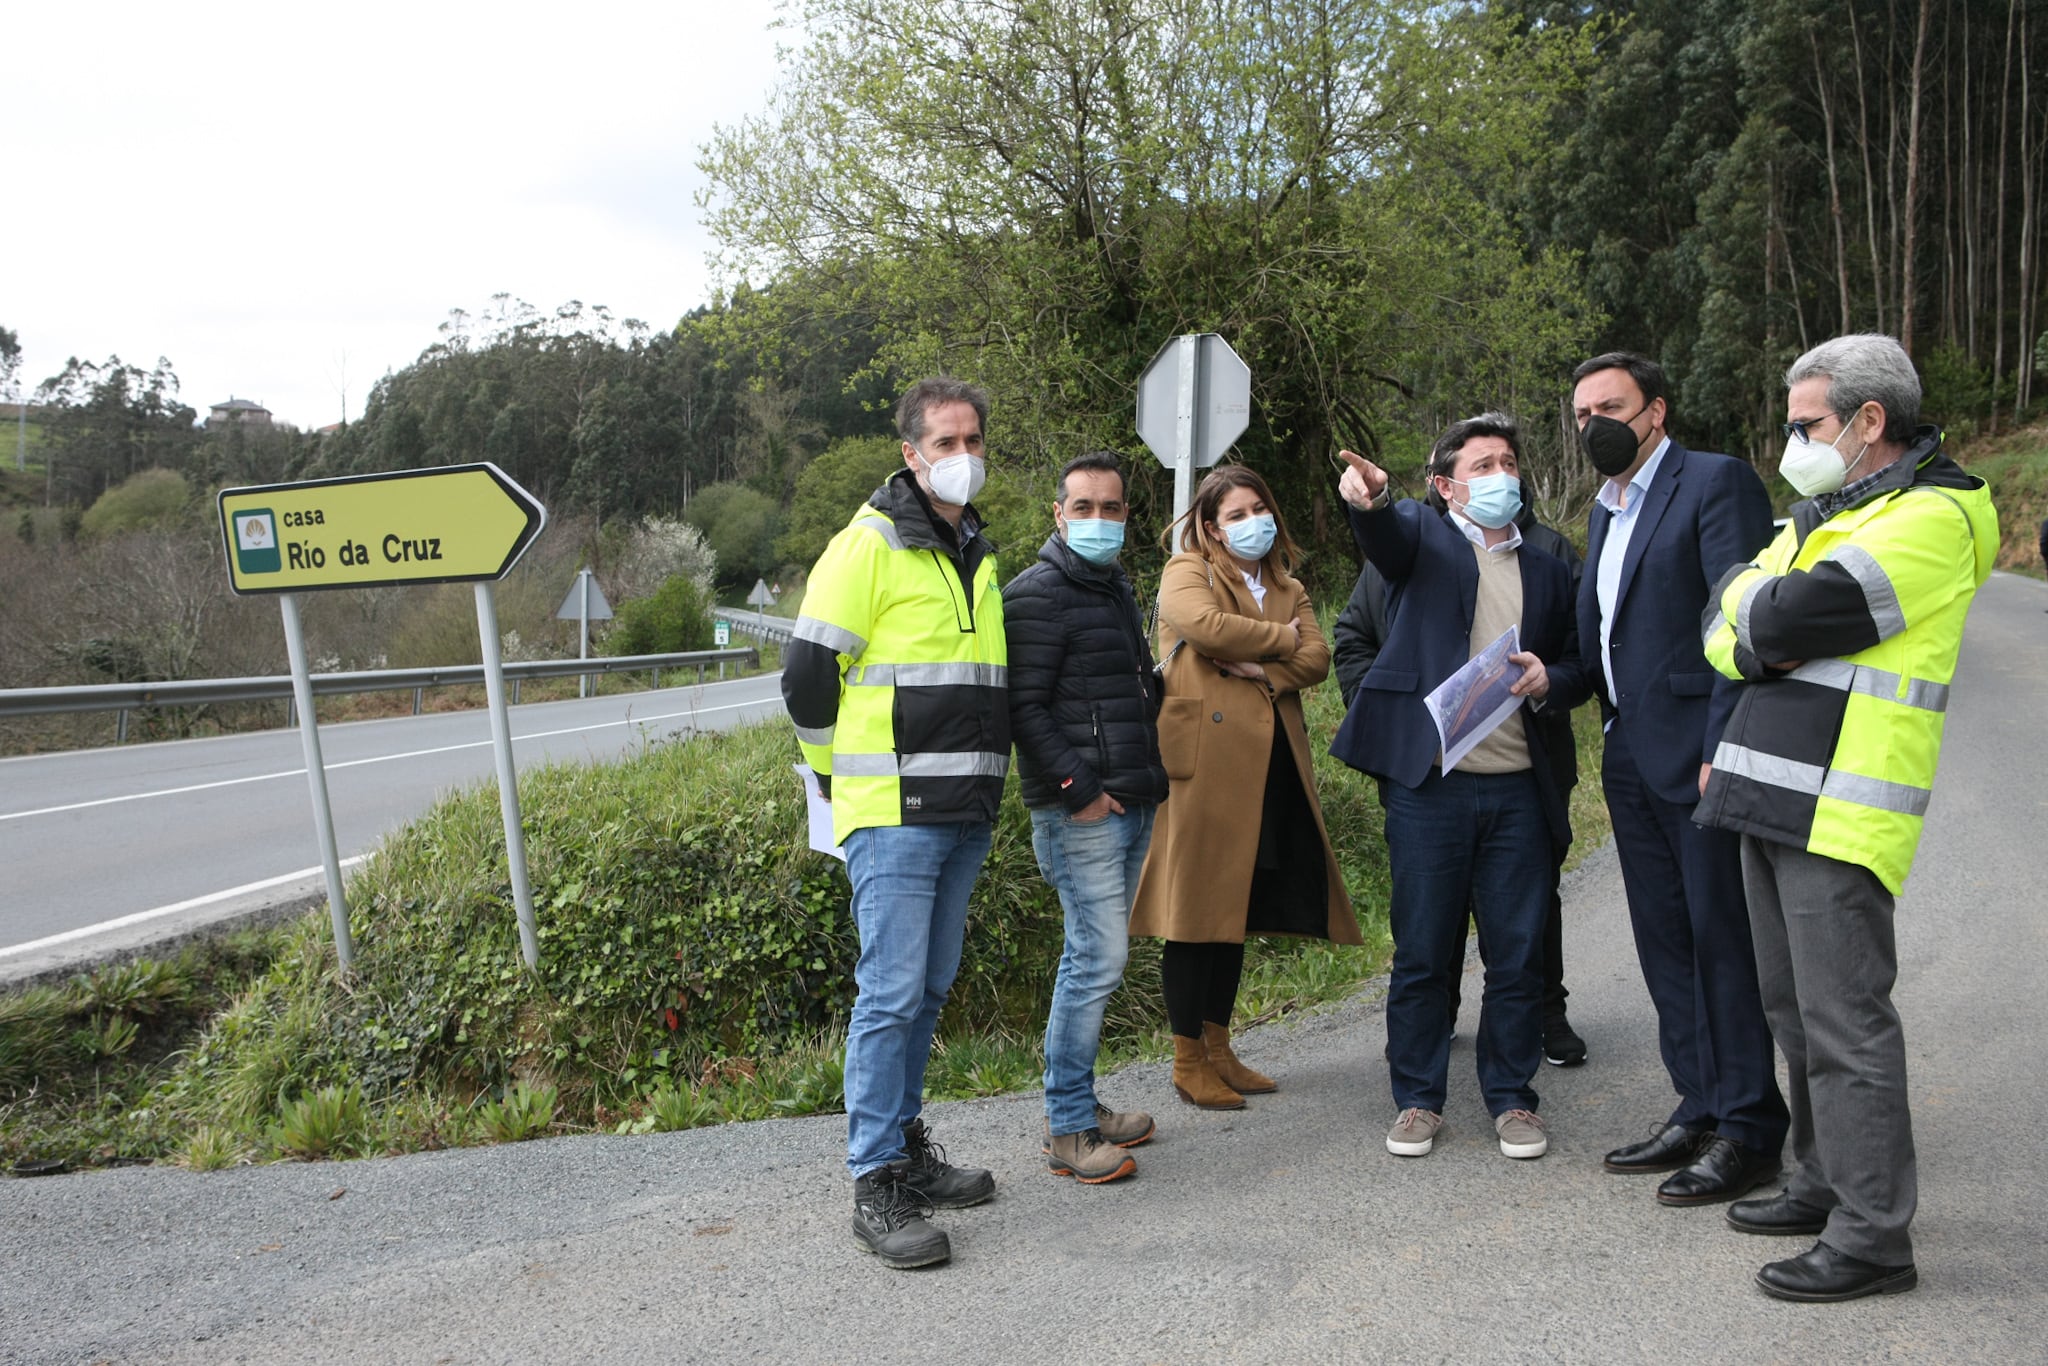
pixel 256 541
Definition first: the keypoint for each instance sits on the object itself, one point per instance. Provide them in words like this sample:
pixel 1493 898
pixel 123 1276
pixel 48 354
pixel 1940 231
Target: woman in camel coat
pixel 1239 846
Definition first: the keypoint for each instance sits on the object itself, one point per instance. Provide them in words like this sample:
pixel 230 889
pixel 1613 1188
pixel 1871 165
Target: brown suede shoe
pixel 1195 1080
pixel 1235 1075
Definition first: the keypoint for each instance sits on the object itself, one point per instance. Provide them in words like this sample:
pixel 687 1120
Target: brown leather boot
pixel 1196 1081
pixel 1234 1074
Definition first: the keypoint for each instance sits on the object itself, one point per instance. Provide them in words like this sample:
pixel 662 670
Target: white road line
pixel 141 917
pixel 382 759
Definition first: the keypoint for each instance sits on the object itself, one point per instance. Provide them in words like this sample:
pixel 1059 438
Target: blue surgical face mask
pixel 1492 500
pixel 1095 539
pixel 1252 537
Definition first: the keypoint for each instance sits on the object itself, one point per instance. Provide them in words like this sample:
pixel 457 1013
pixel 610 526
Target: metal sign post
pixel 508 776
pixel 1194 399
pixel 464 523
pixel 316 779
pixel 584 604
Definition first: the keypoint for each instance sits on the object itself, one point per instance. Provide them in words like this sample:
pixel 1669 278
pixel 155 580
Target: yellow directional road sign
pixel 456 524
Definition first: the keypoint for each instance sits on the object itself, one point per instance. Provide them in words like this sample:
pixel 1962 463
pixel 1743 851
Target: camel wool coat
pixel 1216 737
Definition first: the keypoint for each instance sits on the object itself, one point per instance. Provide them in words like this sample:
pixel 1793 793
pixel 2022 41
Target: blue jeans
pixel 1094 867
pixel 910 887
pixel 1477 840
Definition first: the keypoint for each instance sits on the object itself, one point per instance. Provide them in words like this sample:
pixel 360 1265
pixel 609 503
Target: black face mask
pixel 1609 444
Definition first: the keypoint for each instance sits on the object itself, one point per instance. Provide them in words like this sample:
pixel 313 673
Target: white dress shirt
pixel 1621 527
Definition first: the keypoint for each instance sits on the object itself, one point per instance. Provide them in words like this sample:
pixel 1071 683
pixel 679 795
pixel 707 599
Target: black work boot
pixel 927 1172
pixel 888 1220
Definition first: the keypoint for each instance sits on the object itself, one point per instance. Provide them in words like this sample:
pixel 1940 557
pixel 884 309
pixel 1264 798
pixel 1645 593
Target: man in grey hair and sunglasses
pixel 1843 635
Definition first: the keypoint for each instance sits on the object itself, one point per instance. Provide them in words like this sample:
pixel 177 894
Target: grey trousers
pixel 1826 960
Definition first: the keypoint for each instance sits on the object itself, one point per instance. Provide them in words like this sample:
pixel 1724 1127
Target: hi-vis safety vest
pixel 919 729
pixel 1837 755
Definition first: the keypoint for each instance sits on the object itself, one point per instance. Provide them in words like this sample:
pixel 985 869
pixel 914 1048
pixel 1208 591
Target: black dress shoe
pixel 1821 1275
pixel 1724 1170
pixel 1776 1214
pixel 1670 1148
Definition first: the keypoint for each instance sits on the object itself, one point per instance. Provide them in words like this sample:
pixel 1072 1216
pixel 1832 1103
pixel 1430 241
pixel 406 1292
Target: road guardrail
pixel 126 697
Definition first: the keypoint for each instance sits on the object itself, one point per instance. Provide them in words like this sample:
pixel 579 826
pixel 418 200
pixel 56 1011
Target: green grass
pixel 696 969
pixel 2016 466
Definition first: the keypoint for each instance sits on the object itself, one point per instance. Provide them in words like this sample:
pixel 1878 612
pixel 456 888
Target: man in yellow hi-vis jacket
pixel 897 682
pixel 1845 632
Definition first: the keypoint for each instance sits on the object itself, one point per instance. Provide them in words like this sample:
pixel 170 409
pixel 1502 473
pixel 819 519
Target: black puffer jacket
pixel 1083 698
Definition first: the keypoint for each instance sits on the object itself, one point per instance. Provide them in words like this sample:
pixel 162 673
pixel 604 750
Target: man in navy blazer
pixel 1668 522
pixel 1480 835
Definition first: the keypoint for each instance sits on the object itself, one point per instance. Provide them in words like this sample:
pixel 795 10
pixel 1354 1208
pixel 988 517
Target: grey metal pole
pixel 508 777
pixel 316 779
pixel 1186 423
pixel 583 615
pixel 21 430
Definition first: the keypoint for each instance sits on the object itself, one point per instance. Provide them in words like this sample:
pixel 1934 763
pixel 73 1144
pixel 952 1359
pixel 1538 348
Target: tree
pixel 830 489
pixel 10 361
pixel 657 550
pixel 105 423
pixel 1746 178
pixel 1036 194
pixel 740 525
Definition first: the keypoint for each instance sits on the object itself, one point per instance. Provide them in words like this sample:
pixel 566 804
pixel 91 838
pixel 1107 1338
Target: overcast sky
pixel 286 200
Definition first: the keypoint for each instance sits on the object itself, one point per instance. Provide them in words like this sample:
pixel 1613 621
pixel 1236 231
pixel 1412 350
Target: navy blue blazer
pixel 1432 593
pixel 1702 513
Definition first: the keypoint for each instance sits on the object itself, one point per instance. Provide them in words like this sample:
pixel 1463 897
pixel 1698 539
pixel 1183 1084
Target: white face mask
pixel 1814 469
pixel 955 479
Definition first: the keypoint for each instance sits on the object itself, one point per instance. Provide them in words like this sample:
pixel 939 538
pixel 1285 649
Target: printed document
pixel 1471 702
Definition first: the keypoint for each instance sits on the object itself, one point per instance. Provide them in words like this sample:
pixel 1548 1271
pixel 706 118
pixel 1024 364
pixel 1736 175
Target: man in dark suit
pixel 1477 831
pixel 1668 523
pixel 1355 643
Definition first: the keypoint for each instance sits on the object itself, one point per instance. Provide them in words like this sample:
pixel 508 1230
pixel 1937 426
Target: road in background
pixel 1282 1233
pixel 201 827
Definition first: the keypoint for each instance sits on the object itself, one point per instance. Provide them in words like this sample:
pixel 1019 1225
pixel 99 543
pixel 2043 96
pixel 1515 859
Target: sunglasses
pixel 1799 428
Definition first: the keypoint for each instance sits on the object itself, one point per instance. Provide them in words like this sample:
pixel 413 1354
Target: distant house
pixel 238 410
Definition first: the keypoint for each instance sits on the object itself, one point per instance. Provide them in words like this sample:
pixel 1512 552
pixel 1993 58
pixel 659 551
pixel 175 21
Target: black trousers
pixel 1691 923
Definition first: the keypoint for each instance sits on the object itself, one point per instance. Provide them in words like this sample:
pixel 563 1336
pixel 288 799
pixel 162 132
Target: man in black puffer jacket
pixel 1084 704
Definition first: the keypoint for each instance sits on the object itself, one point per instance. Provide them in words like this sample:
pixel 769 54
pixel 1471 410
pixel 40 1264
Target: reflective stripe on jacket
pixel 1836 755
pixel 897 675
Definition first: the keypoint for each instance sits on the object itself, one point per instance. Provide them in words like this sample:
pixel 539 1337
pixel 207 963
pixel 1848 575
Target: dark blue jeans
pixel 1459 841
pixel 910 890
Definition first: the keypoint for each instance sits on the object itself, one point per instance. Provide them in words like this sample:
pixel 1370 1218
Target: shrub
pixel 671 1108
pixel 676 618
pixel 210 1148
pixel 35 1037
pixel 330 1122
pixel 524 1112
pixel 153 498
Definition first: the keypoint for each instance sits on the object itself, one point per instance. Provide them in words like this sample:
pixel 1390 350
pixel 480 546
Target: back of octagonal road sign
pixel 456 524
pixel 1222 399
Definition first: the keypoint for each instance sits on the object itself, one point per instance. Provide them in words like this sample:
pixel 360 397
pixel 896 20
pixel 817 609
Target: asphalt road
pixel 150 837
pixel 1281 1233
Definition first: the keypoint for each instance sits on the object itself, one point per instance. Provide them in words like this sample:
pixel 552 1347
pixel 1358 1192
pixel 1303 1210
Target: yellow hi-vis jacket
pixel 897 677
pixel 1837 755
